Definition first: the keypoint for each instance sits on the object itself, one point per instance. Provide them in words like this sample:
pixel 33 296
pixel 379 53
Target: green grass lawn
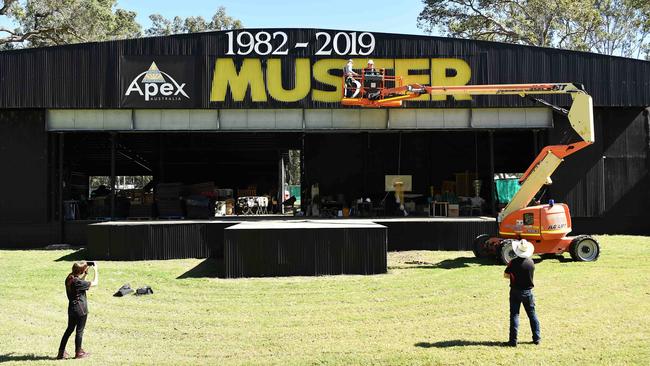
pixel 431 308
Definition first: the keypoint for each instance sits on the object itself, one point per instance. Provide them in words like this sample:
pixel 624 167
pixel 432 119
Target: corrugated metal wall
pixel 148 241
pixel 304 252
pixel 609 182
pixel 27 192
pixel 88 75
pixel 436 235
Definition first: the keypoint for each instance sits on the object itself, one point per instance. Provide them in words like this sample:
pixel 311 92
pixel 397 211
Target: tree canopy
pixel 613 27
pixel 162 26
pixel 55 22
pixel 36 23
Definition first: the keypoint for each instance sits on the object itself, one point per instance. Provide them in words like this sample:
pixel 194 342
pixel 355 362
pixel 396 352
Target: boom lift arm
pixel 546 226
pixel 580 117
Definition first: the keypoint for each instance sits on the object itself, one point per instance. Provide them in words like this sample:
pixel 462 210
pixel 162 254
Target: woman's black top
pixel 78 304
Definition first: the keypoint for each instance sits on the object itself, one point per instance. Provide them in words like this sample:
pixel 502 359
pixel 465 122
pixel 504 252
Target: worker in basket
pixel 370 68
pixel 373 81
pixel 352 85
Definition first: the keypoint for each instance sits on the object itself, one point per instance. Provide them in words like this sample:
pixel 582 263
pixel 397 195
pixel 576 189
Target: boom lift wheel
pixel 479 249
pixel 584 249
pixel 505 253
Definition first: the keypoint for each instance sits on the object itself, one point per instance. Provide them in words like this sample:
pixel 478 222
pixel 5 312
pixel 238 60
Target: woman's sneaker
pixel 82 354
pixel 62 355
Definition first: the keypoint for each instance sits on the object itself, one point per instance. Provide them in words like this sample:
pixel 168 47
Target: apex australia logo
pixel 155 87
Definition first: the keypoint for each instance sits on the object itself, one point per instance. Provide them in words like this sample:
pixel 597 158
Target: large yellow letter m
pixel 225 75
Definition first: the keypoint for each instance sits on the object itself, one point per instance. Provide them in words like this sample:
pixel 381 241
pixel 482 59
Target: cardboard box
pixel 453 210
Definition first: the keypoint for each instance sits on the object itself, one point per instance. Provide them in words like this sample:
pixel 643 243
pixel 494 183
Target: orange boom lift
pixel 547 225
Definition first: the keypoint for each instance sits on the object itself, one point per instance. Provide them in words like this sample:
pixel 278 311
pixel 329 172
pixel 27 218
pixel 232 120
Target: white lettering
pixel 166 89
pixel 150 89
pixel 180 89
pixel 134 87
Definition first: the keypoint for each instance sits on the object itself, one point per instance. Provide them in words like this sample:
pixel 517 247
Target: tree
pixel 162 26
pixel 293 167
pixel 54 22
pixel 622 28
pixel 614 27
pixel 643 8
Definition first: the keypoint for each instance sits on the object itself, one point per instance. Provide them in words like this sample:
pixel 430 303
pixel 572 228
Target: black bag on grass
pixel 146 290
pixel 124 290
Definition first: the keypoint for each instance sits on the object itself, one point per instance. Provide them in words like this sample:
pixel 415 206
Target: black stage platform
pixel 162 239
pixel 304 248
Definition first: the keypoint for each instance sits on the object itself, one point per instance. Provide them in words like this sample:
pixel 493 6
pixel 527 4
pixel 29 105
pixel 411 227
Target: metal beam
pixel 135 161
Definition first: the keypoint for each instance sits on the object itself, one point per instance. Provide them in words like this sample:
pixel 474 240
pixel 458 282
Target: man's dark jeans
pixel 526 297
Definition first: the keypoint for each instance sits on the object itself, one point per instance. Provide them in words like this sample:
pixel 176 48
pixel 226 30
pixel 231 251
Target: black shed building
pixel 226 106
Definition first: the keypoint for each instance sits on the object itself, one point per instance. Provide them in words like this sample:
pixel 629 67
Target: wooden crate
pixel 453 210
pixel 464 184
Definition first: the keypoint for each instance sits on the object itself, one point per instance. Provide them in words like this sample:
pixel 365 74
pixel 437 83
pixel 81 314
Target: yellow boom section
pixel 580 117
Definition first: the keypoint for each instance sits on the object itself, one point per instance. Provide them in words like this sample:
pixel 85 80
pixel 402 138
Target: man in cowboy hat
pixel 520 271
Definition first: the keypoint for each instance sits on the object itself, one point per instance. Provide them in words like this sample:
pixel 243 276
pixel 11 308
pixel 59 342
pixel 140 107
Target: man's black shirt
pixel 521 273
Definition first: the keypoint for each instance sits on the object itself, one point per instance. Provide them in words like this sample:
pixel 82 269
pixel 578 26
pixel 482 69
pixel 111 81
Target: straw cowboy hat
pixel 523 248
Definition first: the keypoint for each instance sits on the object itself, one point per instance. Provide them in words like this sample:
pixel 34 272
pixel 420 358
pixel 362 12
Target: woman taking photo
pixel 75 288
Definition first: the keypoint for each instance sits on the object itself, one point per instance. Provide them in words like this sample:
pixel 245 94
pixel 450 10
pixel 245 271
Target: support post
pixel 491 178
pixel 161 159
pixel 52 165
pixel 61 213
pixel 366 151
pixel 281 180
pixel 113 153
pixel 399 154
pixel 303 187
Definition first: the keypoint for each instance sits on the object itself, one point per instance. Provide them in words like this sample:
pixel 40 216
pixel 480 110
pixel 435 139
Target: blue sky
pixel 396 16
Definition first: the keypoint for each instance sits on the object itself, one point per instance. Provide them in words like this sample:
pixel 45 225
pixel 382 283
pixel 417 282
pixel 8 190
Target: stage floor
pixel 283 219
pixel 167 239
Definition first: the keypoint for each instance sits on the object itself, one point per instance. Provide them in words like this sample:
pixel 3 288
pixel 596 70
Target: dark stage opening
pixel 443 166
pixel 182 167
pixel 329 174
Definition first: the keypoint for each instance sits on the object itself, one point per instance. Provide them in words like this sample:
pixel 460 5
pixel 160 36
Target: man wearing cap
pixel 350 81
pixel 520 271
pixel 370 68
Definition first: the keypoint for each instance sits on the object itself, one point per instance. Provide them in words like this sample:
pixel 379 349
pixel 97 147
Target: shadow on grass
pixel 460 262
pixel 11 357
pixel 210 267
pixel 460 343
pixel 558 257
pixel 78 255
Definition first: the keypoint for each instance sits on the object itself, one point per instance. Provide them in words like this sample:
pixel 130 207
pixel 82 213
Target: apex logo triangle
pixel 153 75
